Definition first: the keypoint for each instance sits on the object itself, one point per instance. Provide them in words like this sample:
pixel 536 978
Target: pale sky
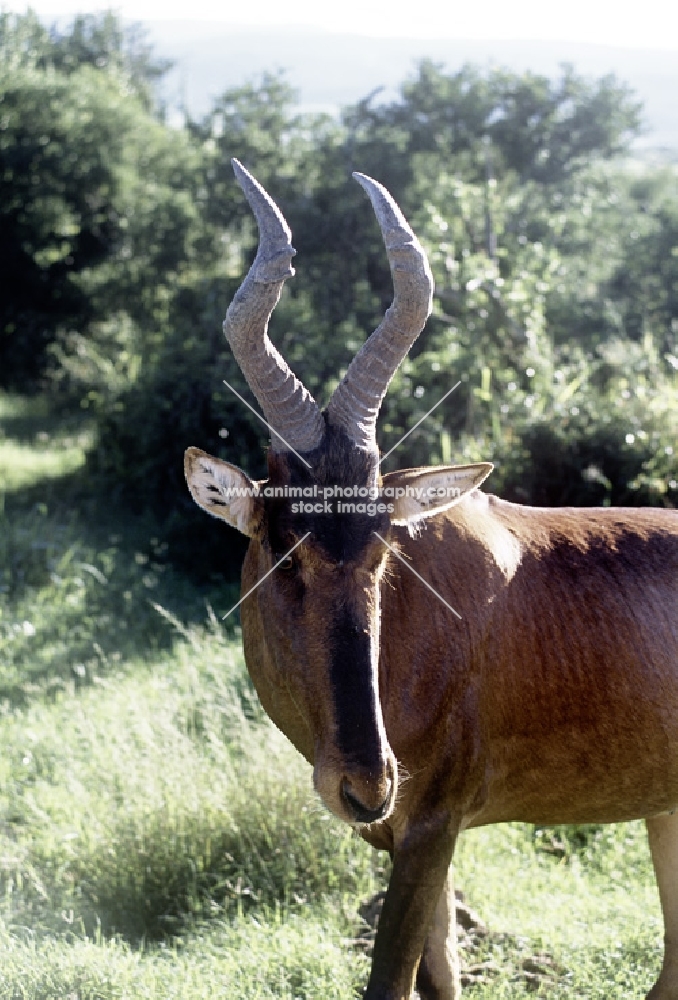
pixel 649 24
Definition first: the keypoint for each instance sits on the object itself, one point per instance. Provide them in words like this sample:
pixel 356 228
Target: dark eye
pixel 285 564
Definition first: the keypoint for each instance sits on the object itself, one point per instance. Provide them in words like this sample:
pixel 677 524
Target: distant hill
pixel 330 71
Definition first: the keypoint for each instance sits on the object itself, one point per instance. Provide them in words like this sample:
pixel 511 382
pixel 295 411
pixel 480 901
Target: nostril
pixel 361 812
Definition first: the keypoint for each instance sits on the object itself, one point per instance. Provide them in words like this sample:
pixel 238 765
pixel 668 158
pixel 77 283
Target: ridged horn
pixel 288 406
pixel 355 403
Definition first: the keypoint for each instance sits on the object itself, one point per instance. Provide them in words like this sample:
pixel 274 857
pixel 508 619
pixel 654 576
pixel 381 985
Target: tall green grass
pixel 152 800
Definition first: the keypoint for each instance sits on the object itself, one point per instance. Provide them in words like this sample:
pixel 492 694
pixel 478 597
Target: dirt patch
pixel 483 953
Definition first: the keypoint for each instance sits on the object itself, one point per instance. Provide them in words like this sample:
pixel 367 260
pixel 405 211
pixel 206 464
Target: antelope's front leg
pixel 438 975
pixel 421 862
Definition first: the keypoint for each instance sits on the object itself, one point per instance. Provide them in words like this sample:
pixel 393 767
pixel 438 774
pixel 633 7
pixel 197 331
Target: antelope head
pixel 311 624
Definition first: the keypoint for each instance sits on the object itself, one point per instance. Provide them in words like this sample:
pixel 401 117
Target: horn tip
pixel 366 182
pixel 240 172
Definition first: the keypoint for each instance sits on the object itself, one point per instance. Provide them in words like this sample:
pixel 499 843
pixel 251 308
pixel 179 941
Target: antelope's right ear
pixel 223 490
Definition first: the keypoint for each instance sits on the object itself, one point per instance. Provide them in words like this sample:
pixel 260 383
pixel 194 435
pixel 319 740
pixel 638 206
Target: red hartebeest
pixel 553 698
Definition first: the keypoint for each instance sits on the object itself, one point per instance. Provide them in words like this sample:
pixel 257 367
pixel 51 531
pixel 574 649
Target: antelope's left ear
pixel 419 493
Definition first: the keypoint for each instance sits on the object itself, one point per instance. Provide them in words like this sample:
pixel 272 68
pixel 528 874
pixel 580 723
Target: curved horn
pixel 288 406
pixel 355 403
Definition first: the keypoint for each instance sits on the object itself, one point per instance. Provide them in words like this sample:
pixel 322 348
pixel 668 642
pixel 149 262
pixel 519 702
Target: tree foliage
pixel 77 139
pixel 555 256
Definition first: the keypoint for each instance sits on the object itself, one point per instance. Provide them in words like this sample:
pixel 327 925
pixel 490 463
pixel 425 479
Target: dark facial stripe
pixel 355 710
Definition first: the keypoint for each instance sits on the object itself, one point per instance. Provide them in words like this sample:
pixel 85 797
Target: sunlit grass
pixel 598 917
pixel 160 809
pixel 264 958
pixel 22 465
pixel 150 800
pixel 34 446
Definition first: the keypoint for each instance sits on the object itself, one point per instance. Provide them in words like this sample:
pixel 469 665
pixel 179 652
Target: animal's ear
pixel 223 490
pixel 418 493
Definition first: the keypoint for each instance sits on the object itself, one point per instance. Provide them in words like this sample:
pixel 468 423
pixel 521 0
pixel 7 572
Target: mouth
pixel 358 793
pixel 361 813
